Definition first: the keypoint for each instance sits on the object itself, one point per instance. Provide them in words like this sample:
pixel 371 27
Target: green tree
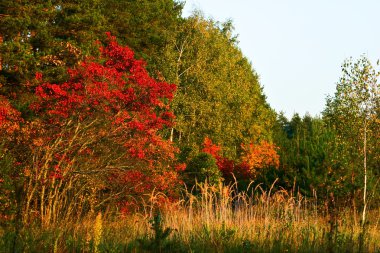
pixel 353 112
pixel 45 36
pixel 219 94
pixel 306 154
pixel 145 25
pixel 203 167
pixel 51 36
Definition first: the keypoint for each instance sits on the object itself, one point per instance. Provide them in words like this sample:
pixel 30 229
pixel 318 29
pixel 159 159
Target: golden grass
pixel 220 219
pixel 266 218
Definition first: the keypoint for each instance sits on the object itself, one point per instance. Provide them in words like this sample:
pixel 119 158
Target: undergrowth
pixel 218 219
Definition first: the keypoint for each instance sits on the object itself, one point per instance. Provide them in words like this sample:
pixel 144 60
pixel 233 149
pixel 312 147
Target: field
pixel 216 219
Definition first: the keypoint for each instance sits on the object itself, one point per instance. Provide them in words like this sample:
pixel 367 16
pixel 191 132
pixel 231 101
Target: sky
pixel 298 46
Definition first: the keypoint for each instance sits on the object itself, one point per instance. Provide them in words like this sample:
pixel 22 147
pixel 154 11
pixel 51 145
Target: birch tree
pixel 352 111
pixel 219 94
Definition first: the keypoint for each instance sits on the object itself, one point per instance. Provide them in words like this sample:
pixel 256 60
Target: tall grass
pixel 216 219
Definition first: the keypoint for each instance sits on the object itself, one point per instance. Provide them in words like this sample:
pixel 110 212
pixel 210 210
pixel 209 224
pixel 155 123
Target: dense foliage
pixel 96 133
pixel 91 121
pixel 337 153
pixel 219 95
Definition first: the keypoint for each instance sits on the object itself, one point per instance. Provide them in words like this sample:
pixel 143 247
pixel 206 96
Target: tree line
pixel 103 102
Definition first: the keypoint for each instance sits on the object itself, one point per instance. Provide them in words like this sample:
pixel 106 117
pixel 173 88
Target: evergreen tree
pixel 50 36
pixel 306 155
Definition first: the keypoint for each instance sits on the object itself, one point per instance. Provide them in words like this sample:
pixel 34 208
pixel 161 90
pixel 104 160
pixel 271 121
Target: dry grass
pixel 218 219
pixel 268 220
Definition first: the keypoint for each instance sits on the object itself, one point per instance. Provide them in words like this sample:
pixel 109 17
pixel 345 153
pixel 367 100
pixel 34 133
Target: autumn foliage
pixel 116 89
pixel 211 148
pixel 10 118
pixel 255 158
pixel 260 156
pixel 95 139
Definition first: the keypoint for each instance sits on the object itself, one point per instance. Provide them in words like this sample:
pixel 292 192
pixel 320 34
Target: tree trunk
pixel 171 134
pixel 365 173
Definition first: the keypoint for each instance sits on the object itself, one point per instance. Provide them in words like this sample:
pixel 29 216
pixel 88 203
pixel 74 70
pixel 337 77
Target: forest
pixel 126 127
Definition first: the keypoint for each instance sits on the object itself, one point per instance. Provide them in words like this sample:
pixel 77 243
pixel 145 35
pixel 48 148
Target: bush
pixel 201 168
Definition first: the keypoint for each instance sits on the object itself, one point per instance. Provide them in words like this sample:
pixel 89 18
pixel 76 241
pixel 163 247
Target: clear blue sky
pixel 297 46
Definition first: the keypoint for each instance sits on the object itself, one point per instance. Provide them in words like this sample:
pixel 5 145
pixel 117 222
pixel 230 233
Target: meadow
pixel 216 218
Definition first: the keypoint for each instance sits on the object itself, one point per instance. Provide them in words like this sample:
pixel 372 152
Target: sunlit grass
pixel 217 219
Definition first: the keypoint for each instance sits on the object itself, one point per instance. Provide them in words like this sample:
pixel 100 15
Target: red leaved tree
pixel 101 135
pixel 255 159
pixel 10 118
pixel 10 125
pixel 258 157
